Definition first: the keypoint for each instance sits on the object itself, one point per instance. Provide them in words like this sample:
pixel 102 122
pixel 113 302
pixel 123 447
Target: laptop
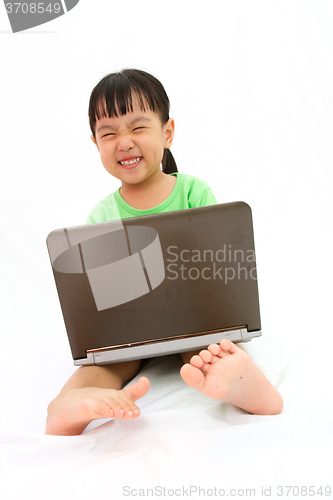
pixel 158 284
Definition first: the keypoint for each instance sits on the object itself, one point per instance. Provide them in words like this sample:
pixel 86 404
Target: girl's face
pixel 132 146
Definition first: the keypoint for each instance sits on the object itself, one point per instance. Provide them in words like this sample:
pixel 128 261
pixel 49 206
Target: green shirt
pixel 189 192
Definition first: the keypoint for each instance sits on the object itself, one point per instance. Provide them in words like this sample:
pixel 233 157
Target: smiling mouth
pixel 130 162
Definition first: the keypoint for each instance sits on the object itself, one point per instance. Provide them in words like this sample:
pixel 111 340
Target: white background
pixel 251 91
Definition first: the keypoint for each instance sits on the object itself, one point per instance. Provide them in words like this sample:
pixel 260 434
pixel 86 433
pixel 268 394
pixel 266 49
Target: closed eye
pixel 105 135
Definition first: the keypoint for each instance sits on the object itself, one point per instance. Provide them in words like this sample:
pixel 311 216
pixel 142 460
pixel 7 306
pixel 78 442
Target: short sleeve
pixel 205 199
pixel 90 220
pixel 104 211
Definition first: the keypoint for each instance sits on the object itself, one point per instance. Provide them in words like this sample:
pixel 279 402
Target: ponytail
pixel 168 163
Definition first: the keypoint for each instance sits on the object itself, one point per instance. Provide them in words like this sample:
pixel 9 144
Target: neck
pixel 150 193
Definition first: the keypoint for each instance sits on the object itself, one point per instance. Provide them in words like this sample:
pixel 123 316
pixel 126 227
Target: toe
pixel 138 389
pixel 196 361
pixel 206 356
pixel 129 407
pixel 116 409
pixel 108 409
pixel 228 346
pixel 206 366
pixel 102 409
pixel 217 352
pixel 192 376
pixel 214 349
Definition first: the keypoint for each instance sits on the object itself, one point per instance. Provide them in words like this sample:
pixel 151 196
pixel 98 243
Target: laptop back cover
pixel 156 277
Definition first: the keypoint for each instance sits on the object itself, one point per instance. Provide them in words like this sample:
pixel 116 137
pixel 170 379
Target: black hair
pixel 113 96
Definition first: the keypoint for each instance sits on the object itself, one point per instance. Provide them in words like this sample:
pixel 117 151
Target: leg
pixel 95 392
pixel 226 372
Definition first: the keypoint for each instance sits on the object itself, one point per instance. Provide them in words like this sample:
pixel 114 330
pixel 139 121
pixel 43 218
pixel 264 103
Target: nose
pixel 125 143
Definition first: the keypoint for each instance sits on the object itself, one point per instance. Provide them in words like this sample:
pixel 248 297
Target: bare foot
pixel 227 373
pixel 71 411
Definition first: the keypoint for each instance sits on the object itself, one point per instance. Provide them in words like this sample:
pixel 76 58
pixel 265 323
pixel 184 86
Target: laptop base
pixel 150 349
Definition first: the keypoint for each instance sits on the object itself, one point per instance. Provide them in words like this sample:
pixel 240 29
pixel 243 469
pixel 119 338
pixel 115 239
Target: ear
pixel 169 131
pixel 94 141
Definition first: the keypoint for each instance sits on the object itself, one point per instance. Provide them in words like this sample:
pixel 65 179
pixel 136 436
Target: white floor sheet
pixel 186 443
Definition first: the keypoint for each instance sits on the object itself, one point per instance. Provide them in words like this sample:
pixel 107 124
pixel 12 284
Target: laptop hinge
pixel 163 347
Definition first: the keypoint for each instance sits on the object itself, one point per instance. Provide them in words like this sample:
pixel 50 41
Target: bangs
pixel 117 103
pixel 114 94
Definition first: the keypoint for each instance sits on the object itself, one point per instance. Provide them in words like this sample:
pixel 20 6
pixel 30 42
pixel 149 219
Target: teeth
pixel 130 162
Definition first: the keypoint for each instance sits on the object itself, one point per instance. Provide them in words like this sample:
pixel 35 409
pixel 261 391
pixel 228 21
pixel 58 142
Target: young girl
pixel 130 124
